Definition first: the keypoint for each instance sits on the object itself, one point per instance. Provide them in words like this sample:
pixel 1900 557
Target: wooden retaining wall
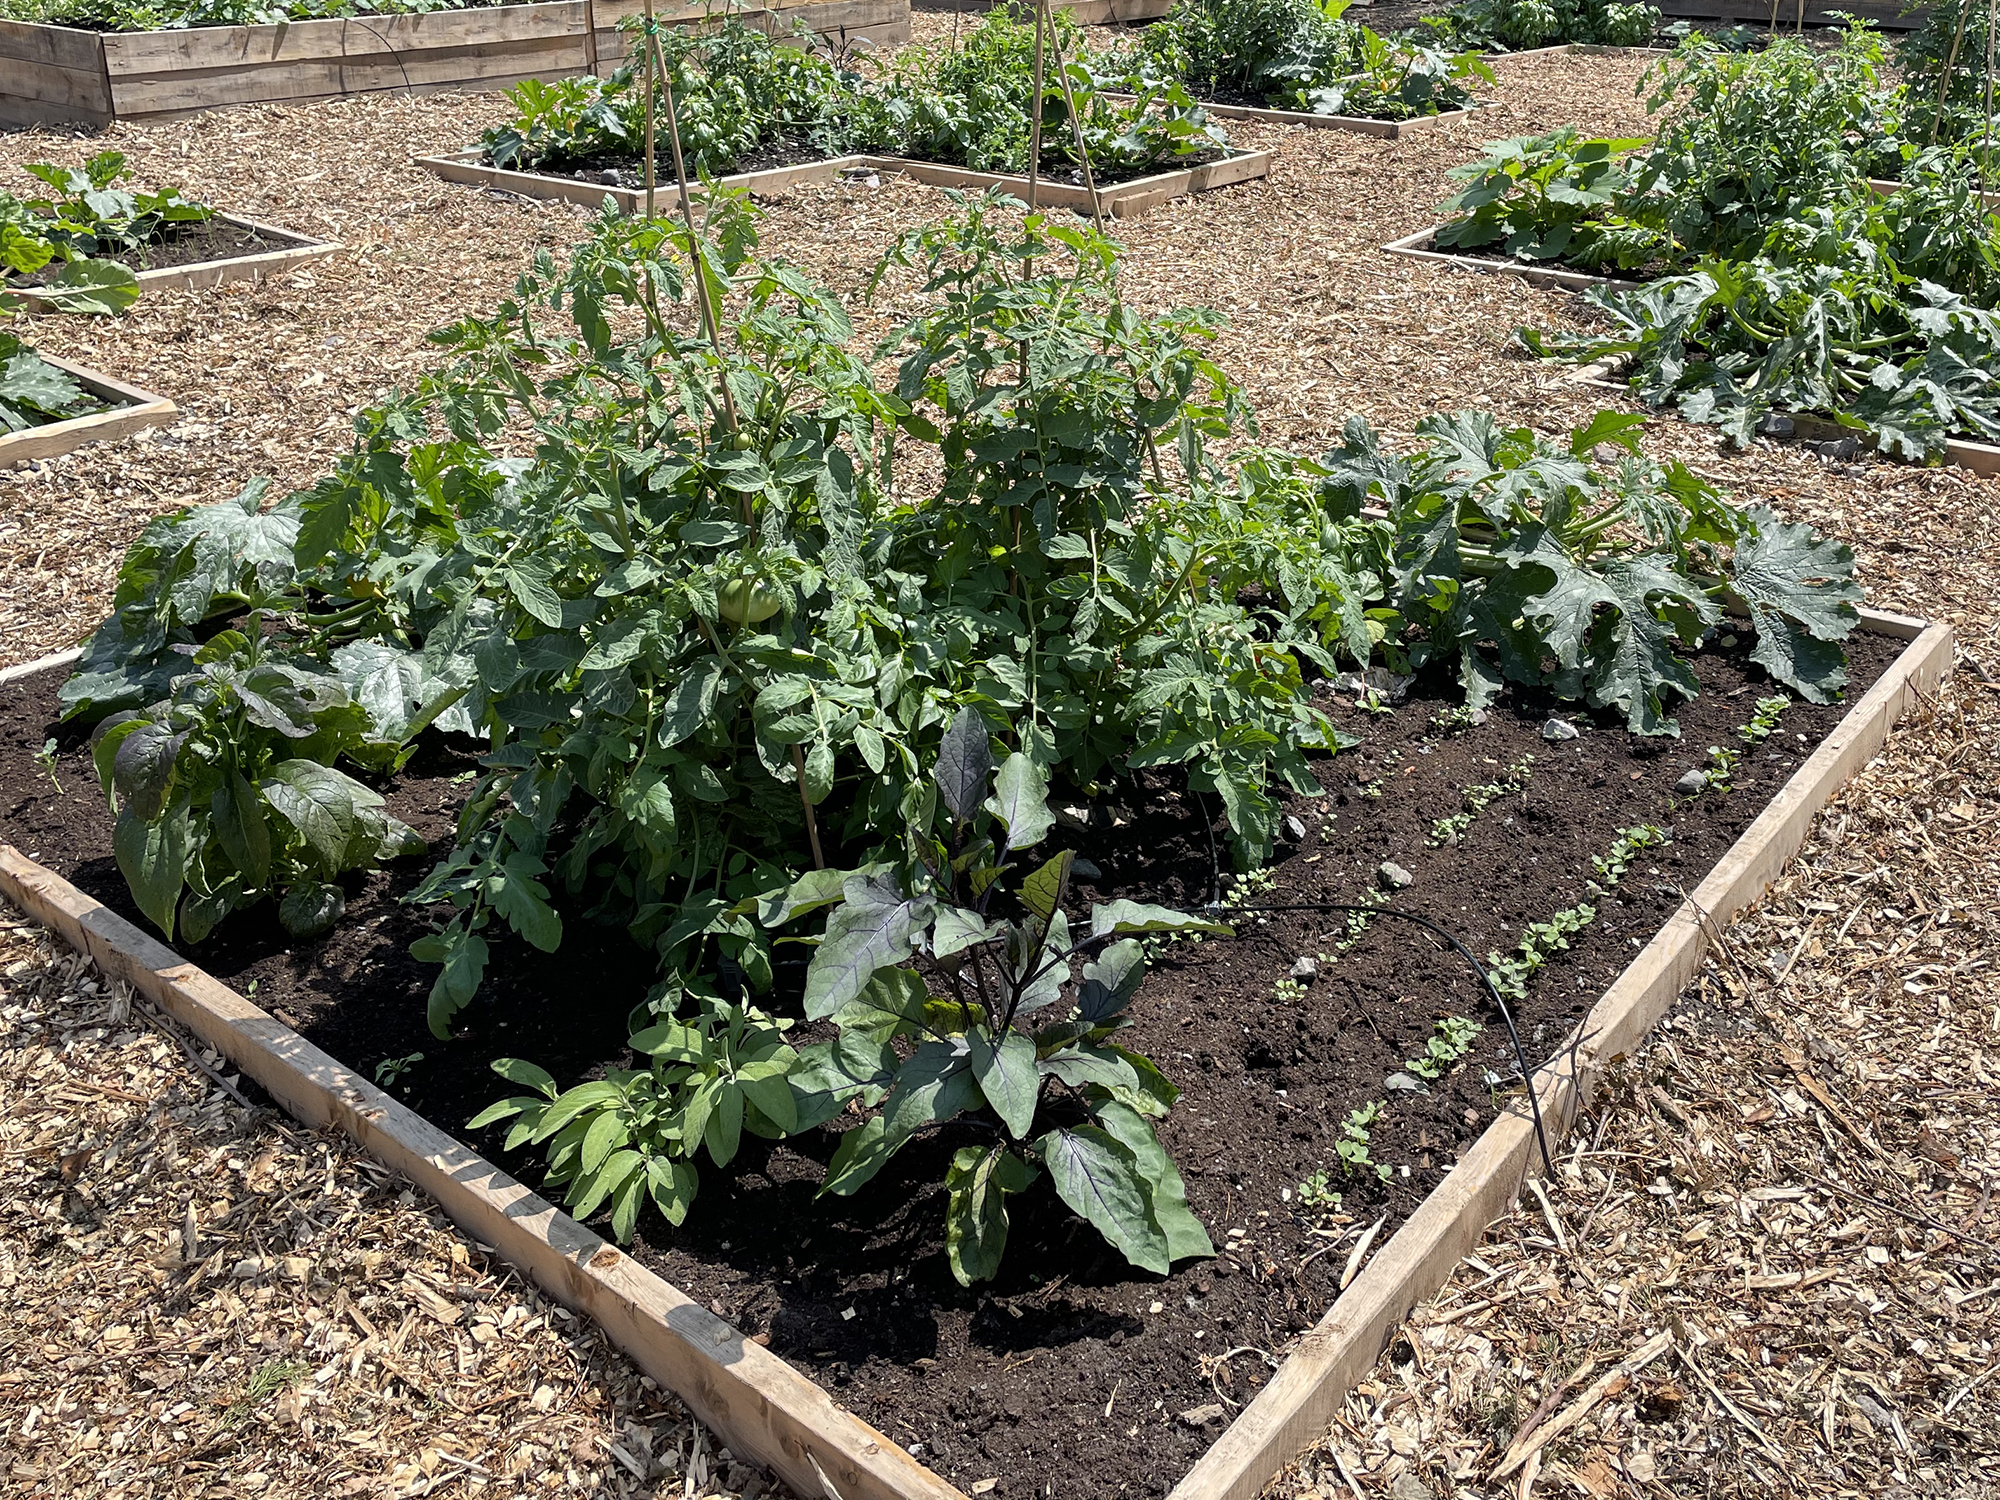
pixel 55 75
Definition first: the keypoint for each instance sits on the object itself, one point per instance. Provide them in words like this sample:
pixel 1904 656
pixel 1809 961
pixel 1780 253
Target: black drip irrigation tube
pixel 1219 906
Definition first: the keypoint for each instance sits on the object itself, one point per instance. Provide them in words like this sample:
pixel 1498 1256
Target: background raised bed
pixel 52 75
pixel 275 249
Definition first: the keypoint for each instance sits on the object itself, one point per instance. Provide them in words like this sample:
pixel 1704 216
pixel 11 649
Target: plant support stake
pixel 1075 124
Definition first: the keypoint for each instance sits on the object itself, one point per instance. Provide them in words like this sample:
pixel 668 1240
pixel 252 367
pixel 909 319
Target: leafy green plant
pixel 225 791
pixel 91 212
pixel 633 1135
pixel 1722 761
pixel 1054 1093
pixel 33 391
pixel 1352 1145
pixel 1517 25
pixel 1451 1038
pixel 1534 197
pixel 1393 80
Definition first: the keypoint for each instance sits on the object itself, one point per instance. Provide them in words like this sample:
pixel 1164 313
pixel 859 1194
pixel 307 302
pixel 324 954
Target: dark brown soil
pixel 182 245
pixel 629 172
pixel 1073 1376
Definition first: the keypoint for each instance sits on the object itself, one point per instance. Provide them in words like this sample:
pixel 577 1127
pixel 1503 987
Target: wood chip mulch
pixel 205 1299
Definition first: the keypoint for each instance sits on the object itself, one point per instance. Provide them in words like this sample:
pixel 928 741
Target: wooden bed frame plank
pixel 132 410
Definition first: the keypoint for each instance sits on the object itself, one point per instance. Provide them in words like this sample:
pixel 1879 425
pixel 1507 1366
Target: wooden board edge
pixel 465 168
pixel 208 273
pixel 1417 247
pixel 47 663
pixel 131 410
pixel 1293 1410
pixel 763 1407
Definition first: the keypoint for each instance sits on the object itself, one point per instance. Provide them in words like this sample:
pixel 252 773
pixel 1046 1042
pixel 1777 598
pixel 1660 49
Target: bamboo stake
pixel 1075 124
pixel 1035 125
pixel 1986 151
pixel 1950 62
pixel 649 108
pixel 656 58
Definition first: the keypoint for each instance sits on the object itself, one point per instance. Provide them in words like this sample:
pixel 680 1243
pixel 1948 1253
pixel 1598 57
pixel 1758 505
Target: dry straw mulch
pixel 1755 1202
pixel 205 1299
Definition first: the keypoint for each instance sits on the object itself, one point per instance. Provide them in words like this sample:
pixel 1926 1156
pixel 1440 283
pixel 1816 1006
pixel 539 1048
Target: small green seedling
pixel 1764 723
pixel 1353 1144
pixel 390 1070
pixel 1317 1195
pixel 1450 830
pixel 1611 866
pixel 46 759
pixel 1452 1039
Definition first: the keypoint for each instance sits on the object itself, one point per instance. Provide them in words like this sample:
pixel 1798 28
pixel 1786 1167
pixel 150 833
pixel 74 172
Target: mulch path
pixel 204 1298
pixel 1887 996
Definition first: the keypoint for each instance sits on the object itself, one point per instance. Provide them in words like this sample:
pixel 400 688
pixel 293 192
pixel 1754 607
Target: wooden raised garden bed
pixel 1418 246
pixel 286 249
pixel 128 410
pixel 770 1411
pixel 1122 200
pixel 56 75
pixel 1889 15
pixel 1356 124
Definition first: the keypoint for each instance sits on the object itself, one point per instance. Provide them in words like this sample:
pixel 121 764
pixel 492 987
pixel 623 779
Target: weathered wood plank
pixel 57 46
pixel 143 96
pixel 143 52
pixel 132 411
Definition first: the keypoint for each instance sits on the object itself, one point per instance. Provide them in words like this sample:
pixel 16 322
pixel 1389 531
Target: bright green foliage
pixel 90 211
pixel 634 1134
pixel 971 104
pixel 1352 1144
pixel 1764 723
pixel 1517 25
pixel 1450 1040
pixel 1317 1194
pixel 1300 55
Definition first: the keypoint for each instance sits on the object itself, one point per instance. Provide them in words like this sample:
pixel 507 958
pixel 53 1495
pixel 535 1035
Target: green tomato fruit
pixel 742 442
pixel 748 602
